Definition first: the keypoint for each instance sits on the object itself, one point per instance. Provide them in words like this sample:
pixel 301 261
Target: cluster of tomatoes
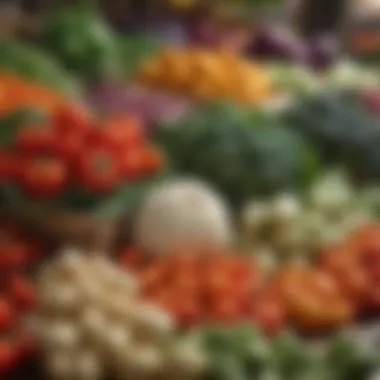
pixel 213 288
pixel 18 253
pixel 342 286
pixel 73 150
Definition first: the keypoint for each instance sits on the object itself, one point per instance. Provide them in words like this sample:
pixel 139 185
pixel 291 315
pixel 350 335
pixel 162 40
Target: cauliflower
pixel 181 213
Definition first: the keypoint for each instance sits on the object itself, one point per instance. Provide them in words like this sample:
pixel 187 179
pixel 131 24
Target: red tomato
pixel 188 311
pixel 7 165
pixel 225 309
pixel 35 138
pixel 13 254
pixel 152 160
pixel 22 292
pixel 71 119
pixel 98 170
pixel 116 134
pixel 6 356
pixel 69 146
pixel 7 315
pixel 43 176
pixel 23 347
pixel 269 313
pixel 132 163
pixel 217 283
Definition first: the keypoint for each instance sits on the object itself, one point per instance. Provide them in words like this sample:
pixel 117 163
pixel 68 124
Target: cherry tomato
pixel 152 160
pixel 22 292
pixel 23 347
pixel 12 254
pixel 269 313
pixel 117 133
pixel 225 309
pixel 69 146
pixel 7 165
pixel 43 176
pixel 7 314
pixel 6 356
pixel 35 138
pixel 98 170
pixel 132 163
pixel 71 118
pixel 217 283
pixel 188 312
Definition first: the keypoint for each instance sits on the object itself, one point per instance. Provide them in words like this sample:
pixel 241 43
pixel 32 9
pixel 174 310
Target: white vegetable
pixel 187 357
pixel 87 366
pixel 116 338
pixel 59 365
pixel 314 228
pixel 180 212
pixel 332 195
pixel 266 259
pixel 285 209
pixel 289 238
pixel 141 360
pixel 152 321
pixel 63 334
pixel 254 216
pixel 93 323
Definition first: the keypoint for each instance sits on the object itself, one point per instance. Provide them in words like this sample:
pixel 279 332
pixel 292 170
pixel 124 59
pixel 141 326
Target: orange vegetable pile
pixel 72 150
pixel 18 253
pixel 18 93
pixel 202 289
pixel 343 285
pixel 207 75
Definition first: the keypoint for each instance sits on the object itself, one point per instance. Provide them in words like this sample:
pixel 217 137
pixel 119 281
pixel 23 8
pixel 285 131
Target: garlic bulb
pixel 182 212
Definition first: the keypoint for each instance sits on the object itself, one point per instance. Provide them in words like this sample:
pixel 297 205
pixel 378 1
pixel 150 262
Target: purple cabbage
pixel 323 52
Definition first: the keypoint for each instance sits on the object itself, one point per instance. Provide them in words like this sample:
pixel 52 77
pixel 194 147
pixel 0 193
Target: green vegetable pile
pixel 31 62
pixel 243 353
pixel 241 152
pixel 342 130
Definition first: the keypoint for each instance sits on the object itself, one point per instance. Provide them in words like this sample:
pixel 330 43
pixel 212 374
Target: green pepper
pixel 82 41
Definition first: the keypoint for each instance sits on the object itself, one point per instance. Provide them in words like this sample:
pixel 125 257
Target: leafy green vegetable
pixel 241 152
pixel 80 38
pixel 32 63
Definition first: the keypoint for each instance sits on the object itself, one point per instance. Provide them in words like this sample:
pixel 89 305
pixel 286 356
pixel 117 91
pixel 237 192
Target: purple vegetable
pixel 323 52
pixel 278 44
pixel 150 106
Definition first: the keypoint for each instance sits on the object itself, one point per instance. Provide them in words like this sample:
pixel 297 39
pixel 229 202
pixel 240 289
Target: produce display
pixel 206 75
pixel 70 151
pixel 91 319
pixel 292 227
pixel 234 182
pixel 241 152
pixel 19 252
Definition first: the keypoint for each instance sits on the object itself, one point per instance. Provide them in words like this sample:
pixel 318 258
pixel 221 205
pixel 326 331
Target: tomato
pixel 22 292
pixel 35 138
pixel 69 146
pixel 225 309
pixel 7 315
pixel 117 134
pixel 269 313
pixel 314 300
pixel 43 176
pixel 188 311
pixel 71 118
pixel 152 160
pixel 6 356
pixel 132 163
pixel 217 283
pixel 130 258
pixel 98 169
pixel 23 347
pixel 7 165
pixel 153 276
pixel 12 254
pixel 186 283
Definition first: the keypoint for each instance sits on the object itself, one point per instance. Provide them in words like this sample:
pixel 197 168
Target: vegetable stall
pixel 187 209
